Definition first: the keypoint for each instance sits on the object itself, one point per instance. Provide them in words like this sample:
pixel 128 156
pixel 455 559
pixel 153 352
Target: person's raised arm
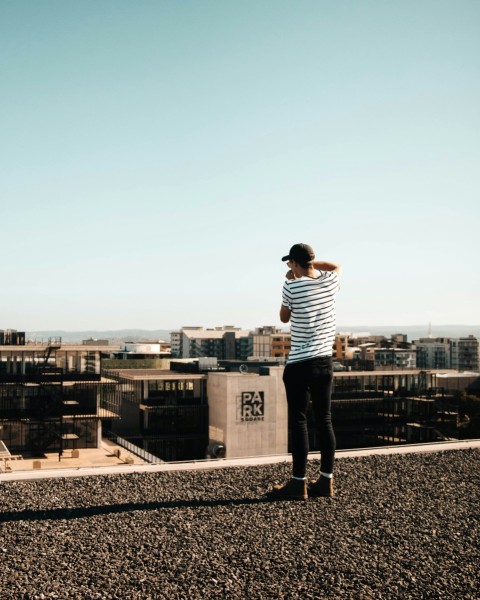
pixel 321 265
pixel 285 314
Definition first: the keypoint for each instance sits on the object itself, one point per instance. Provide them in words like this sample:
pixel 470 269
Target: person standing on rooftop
pixel 308 303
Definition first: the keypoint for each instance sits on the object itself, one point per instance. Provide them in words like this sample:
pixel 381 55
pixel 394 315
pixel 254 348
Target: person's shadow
pixel 106 509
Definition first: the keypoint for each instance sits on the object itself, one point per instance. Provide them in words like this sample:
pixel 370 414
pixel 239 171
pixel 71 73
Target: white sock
pixel 299 478
pixel 327 475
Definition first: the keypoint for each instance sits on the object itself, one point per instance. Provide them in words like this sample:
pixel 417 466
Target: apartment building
pixel 262 341
pixel 448 353
pixel 12 337
pixel 342 350
pixel 464 353
pixel 224 343
pixel 433 353
pixel 190 414
pixel 176 344
pixel 271 342
pixel 164 412
pixel 53 397
pixel 397 358
pixel 168 414
pixel 143 350
pixel 281 344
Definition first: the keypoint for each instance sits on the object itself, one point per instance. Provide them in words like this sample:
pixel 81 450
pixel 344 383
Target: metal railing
pixel 140 452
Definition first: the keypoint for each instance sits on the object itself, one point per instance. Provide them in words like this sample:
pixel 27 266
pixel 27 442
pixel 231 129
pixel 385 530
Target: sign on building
pixel 251 406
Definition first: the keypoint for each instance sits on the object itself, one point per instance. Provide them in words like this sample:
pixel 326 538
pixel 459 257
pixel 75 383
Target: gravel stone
pixel 400 526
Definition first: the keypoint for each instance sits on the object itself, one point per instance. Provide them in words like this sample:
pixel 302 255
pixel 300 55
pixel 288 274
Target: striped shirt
pixel 312 305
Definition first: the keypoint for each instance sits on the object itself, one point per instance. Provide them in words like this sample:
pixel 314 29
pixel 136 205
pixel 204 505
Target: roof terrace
pixel 403 525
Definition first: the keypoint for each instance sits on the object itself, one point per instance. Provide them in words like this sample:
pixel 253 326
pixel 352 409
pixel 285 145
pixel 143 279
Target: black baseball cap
pixel 301 253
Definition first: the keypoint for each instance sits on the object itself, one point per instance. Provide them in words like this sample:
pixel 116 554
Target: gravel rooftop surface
pixel 400 526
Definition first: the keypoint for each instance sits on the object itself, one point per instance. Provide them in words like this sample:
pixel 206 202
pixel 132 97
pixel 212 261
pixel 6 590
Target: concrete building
pixel 461 354
pixel 393 406
pixel 452 381
pixel 399 338
pixel 95 342
pixel 167 412
pixel 464 353
pixel 224 343
pixel 281 344
pixel 397 358
pixel 163 412
pixel 270 342
pixel 176 344
pixel 188 414
pixel 12 337
pixel 53 397
pixel 262 341
pixel 248 413
pixel 433 353
pixel 340 346
pixel 144 350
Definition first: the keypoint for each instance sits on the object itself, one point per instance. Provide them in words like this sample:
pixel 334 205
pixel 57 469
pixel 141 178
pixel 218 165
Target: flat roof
pixel 67 383
pixel 206 334
pixel 201 532
pixel 57 347
pixel 393 372
pixel 152 374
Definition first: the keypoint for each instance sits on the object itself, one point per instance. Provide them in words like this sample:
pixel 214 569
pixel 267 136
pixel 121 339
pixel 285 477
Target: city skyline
pixel 160 158
pixel 413 332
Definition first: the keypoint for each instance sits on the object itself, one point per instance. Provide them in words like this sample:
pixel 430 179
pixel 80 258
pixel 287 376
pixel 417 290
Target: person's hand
pixel 290 274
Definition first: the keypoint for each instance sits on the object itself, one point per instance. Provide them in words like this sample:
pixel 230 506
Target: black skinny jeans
pixel 310 378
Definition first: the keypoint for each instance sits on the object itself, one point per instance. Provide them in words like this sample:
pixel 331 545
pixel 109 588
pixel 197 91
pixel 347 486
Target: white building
pixel 145 350
pixel 176 344
pixel 464 353
pixel 224 343
pixel 396 358
pixel 433 353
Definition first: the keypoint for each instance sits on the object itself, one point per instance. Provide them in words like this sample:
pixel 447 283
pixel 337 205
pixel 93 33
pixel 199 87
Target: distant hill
pixel 413 332
pixel 130 335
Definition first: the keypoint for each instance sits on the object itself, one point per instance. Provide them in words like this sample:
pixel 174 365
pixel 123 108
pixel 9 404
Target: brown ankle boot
pixel 322 487
pixel 295 489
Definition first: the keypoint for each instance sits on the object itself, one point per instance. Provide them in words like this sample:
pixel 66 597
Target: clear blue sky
pixel 159 157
